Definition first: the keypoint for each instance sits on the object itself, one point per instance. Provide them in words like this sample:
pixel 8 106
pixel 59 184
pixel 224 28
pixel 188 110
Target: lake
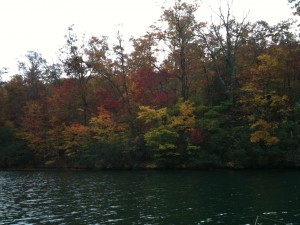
pixel 149 197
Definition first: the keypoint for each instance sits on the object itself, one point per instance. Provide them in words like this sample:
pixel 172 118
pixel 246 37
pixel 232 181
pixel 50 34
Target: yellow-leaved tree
pixel 76 137
pixel 186 119
pixel 263 101
pixel 104 128
pixel 168 133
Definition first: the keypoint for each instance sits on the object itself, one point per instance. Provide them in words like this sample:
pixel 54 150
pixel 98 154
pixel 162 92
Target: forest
pixel 189 94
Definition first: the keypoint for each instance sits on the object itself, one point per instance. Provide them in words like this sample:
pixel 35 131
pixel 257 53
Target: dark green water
pixel 149 197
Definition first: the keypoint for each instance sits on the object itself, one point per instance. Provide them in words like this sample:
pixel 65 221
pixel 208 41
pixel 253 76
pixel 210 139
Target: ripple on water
pixel 145 198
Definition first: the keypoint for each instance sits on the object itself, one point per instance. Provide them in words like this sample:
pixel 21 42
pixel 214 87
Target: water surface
pixel 149 197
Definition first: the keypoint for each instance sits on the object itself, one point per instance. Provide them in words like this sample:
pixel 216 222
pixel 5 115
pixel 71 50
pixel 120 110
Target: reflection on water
pixel 149 197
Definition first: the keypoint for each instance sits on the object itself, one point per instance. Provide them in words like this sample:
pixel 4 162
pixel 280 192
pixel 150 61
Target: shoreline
pixel 73 169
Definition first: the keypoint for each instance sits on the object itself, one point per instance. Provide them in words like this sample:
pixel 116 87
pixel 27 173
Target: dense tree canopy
pixel 190 94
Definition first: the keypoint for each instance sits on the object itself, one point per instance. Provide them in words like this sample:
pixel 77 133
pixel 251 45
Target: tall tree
pixel 143 55
pixel 112 66
pixel 223 42
pixel 178 38
pixel 75 66
pixel 33 70
pixel 53 74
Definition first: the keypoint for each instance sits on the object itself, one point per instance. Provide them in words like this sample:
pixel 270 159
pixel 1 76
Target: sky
pixel 40 25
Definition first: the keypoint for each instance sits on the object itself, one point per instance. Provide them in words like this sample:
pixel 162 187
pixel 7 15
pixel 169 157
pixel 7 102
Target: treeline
pixel 189 95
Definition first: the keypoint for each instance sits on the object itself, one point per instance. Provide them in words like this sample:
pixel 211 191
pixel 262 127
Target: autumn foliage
pixel 190 94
